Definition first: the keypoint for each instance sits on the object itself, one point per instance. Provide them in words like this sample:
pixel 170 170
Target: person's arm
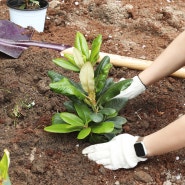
pixel 168 139
pixel 170 60
pixel 120 152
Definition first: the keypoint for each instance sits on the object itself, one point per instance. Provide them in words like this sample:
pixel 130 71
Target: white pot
pixel 24 18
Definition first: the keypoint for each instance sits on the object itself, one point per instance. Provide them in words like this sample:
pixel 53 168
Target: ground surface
pixel 140 29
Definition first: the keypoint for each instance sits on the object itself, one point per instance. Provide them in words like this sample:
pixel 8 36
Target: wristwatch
pixel 140 148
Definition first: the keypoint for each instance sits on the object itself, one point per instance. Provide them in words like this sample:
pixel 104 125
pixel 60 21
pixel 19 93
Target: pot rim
pixel 12 4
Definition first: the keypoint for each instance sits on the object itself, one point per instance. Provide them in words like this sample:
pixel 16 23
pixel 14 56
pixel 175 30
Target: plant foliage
pixel 92 109
pixel 4 166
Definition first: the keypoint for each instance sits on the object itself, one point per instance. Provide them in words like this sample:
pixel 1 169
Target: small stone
pixel 143 176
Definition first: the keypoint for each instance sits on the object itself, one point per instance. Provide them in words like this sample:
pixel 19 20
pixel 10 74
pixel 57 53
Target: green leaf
pixel 69 106
pixel 107 84
pixel 79 60
pixel 62 128
pixel 95 49
pixel 96 117
pixel 101 73
pixel 83 112
pixel 70 58
pixel 118 121
pixel 4 165
pixel 97 138
pixel 87 77
pixel 65 87
pixel 113 91
pixel 22 7
pixel 104 127
pixel 84 133
pixel 66 64
pixel 71 119
pixel 56 119
pixel 35 2
pixel 101 65
pixel 54 76
pixel 107 111
pixel 116 103
pixel 81 44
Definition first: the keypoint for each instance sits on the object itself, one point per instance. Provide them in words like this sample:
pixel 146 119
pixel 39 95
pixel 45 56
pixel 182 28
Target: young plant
pixel 4 165
pixel 29 4
pixel 92 109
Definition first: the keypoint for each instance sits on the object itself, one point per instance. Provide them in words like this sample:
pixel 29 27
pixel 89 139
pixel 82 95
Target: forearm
pixel 171 59
pixel 168 139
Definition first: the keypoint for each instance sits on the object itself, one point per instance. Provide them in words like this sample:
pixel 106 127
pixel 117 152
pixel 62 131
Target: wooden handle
pixel 129 62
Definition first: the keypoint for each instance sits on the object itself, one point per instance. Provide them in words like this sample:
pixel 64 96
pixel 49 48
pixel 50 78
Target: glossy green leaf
pixel 84 133
pixel 101 66
pixel 70 58
pixel 114 90
pixel 107 111
pixel 83 112
pixel 71 119
pixel 4 165
pixel 104 127
pixel 54 76
pixel 79 60
pixel 116 103
pixel 95 49
pixel 62 128
pixel 66 64
pixel 106 86
pixel 96 117
pixel 118 121
pixel 101 73
pixel 81 44
pixel 65 87
pixel 56 119
pixel 97 138
pixel 69 105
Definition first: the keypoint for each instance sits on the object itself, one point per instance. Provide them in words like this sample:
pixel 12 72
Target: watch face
pixel 140 152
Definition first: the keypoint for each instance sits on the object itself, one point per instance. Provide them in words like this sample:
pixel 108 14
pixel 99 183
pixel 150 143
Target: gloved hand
pixel 136 88
pixel 115 154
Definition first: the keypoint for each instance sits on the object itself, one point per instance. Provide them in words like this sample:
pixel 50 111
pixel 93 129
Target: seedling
pixel 30 4
pixel 4 166
pixel 92 109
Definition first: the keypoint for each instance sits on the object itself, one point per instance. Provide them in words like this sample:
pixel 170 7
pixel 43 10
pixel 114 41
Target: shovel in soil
pixel 15 39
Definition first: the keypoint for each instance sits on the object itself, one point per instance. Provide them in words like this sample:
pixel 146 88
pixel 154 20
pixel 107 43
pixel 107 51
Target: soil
pixel 139 29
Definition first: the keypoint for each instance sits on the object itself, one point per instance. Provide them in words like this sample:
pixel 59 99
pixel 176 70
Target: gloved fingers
pixel 121 79
pixel 142 159
pixel 94 148
pixel 99 155
pixel 104 162
pixel 111 167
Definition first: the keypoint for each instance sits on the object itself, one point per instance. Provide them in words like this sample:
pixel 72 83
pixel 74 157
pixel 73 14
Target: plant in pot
pixel 27 13
pixel 92 107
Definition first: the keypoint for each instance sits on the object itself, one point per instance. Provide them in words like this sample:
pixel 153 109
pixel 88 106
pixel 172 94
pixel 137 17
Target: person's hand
pixel 115 154
pixel 135 89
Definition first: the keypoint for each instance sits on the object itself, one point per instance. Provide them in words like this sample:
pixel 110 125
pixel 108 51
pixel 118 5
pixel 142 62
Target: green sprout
pixel 4 166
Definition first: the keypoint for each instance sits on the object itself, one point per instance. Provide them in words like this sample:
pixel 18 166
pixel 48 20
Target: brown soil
pixel 140 29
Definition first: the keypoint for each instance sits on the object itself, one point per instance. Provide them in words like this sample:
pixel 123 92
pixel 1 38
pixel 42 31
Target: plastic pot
pixel 28 17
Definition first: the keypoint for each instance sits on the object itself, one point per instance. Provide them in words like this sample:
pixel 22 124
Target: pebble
pixel 142 176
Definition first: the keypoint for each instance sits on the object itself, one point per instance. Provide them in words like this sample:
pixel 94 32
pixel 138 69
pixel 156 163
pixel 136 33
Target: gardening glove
pixel 135 89
pixel 115 154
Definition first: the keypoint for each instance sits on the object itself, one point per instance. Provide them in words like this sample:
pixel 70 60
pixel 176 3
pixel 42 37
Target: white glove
pixel 115 154
pixel 135 89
